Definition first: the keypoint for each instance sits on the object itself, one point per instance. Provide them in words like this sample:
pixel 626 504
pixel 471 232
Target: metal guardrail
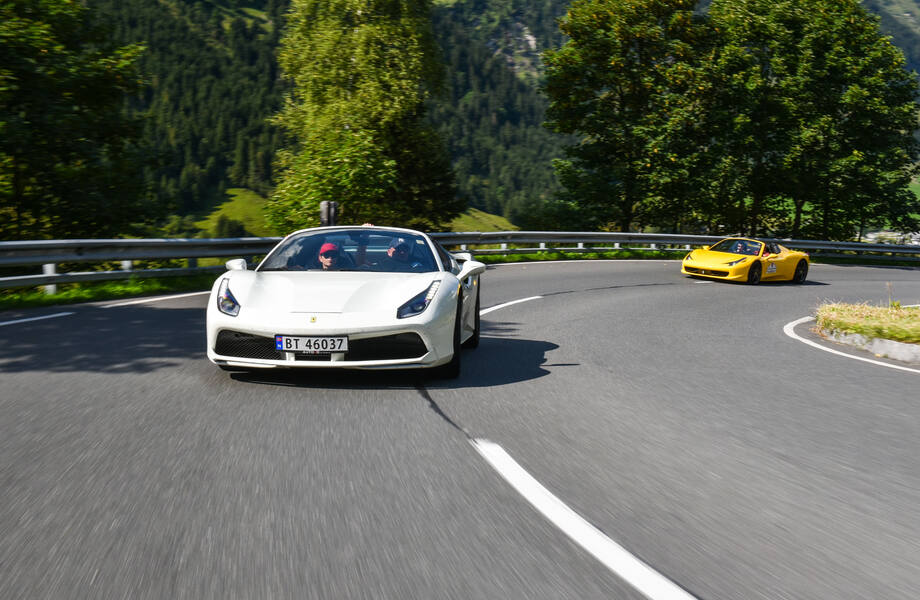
pixel 49 253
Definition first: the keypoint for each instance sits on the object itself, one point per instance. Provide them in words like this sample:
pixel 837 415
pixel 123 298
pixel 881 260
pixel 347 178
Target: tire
pixel 473 342
pixel 754 273
pixel 801 272
pixel 451 370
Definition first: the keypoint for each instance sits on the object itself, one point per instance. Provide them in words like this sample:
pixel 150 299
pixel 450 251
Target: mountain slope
pixel 214 81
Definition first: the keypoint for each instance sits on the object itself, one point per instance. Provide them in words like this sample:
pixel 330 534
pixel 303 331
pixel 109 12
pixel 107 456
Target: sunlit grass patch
pixel 889 322
pixel 73 293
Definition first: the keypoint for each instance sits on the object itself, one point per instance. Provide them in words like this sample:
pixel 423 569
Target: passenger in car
pixel 397 258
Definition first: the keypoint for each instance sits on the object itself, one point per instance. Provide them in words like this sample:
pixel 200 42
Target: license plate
pixel 311 345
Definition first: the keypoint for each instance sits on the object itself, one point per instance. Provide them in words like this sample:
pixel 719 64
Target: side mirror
pixel 463 256
pixel 237 264
pixel 705 247
pixel 471 267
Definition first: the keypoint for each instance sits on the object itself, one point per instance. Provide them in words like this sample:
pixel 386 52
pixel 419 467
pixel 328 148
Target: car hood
pixel 322 292
pixel 721 258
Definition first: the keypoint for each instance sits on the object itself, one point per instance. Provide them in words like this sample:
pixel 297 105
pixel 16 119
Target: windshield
pixel 359 249
pixel 746 247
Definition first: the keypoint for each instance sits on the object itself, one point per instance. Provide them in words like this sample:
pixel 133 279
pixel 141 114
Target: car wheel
pixel 754 274
pixel 473 342
pixel 801 272
pixel 452 369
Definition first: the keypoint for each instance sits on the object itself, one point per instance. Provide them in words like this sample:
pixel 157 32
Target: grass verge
pixel 892 323
pixel 107 290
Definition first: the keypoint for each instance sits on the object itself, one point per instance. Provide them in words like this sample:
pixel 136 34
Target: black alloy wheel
pixel 754 273
pixel 801 272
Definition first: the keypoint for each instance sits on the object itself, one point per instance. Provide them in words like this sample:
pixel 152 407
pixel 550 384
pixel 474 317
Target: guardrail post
pixel 542 245
pixel 616 245
pixel 581 245
pixel 193 263
pixel 50 269
pixel 127 265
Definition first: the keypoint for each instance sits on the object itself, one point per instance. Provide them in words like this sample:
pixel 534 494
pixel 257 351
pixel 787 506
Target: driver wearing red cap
pixel 329 256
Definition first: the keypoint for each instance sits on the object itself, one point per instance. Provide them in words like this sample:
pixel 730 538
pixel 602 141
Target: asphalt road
pixel 673 415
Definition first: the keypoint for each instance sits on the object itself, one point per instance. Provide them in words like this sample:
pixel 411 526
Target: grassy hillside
pixel 476 220
pixel 245 206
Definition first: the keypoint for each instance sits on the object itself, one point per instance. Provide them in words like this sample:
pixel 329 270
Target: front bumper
pixel 734 273
pixel 415 342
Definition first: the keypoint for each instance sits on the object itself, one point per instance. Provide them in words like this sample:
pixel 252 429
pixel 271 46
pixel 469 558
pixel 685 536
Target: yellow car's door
pixel 778 263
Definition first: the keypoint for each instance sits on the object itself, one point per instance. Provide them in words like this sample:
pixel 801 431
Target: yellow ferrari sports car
pixel 748 260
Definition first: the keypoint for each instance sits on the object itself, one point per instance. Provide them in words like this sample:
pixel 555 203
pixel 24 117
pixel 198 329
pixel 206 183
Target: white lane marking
pixel 703 282
pixel 55 315
pixel 486 311
pixel 648 581
pixel 156 299
pixel 788 330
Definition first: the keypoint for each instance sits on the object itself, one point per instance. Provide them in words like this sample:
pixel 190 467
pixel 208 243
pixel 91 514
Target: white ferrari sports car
pixel 347 297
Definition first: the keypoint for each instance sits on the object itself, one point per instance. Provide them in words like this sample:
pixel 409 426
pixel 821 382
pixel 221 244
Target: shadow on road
pixel 118 340
pixel 144 339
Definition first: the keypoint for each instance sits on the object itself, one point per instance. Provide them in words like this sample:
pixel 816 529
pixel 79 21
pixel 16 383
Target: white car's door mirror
pixel 471 267
pixel 462 257
pixel 237 264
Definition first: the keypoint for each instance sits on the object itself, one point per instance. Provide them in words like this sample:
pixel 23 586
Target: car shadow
pixel 500 359
pixel 145 339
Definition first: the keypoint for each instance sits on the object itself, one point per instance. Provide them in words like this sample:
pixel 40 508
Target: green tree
pixel 825 113
pixel 607 85
pixel 68 165
pixel 360 72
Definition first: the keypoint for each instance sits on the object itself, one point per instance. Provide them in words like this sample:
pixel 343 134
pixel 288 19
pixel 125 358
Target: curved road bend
pixel 673 415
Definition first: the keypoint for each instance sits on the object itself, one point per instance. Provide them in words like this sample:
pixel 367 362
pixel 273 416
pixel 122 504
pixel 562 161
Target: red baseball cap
pixel 327 247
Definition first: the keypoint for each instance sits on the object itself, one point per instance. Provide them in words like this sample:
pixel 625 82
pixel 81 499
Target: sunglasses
pixel 330 254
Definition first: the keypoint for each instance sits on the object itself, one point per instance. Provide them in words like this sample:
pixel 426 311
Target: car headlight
pixel 419 303
pixel 226 303
pixel 735 262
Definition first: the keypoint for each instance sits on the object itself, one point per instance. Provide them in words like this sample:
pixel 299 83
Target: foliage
pixel 790 117
pixel 492 112
pixel 840 153
pixel 360 72
pixel 213 82
pixel 69 166
pixel 610 84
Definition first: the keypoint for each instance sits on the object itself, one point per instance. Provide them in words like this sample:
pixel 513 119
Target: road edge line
pixel 789 328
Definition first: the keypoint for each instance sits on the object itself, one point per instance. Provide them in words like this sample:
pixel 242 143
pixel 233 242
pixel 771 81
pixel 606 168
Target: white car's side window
pixel 449 262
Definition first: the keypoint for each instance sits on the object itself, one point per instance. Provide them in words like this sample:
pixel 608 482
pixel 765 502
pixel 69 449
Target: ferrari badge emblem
pixel 313 319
